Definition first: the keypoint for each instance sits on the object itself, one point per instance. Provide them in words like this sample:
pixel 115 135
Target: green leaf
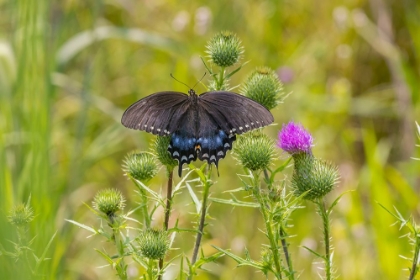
pixel 235 202
pixel 313 252
pixel 234 190
pixel 181 269
pixel 280 169
pixel 336 201
pixel 203 260
pixel 181 182
pixel 205 65
pixel 154 194
pixel 404 222
pixel 194 198
pixel 105 256
pixel 88 228
pixel 241 261
pixel 234 71
pixel 44 253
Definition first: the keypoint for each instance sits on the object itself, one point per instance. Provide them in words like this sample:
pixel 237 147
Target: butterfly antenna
pixel 180 81
pixel 199 80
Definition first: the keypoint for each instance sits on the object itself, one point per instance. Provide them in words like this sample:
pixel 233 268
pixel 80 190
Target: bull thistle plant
pixel 148 246
pixel 25 260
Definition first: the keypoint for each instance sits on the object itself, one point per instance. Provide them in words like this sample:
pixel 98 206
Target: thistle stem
pixel 269 229
pixel 150 269
pixel 120 268
pixel 414 267
pixel 283 236
pixel 144 201
pixel 167 212
pixel 267 178
pixel 326 231
pixel 201 225
pixel 273 243
pixel 221 78
pixel 168 201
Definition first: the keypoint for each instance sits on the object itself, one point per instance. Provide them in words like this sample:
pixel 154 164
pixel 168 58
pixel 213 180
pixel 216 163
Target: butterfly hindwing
pixel 213 141
pixel 234 113
pixel 158 113
pixel 182 146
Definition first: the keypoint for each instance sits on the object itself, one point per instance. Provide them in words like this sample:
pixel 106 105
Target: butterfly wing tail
pixel 213 148
pixel 182 148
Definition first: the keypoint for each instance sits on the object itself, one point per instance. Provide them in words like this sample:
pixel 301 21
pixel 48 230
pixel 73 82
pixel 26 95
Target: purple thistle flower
pixel 293 138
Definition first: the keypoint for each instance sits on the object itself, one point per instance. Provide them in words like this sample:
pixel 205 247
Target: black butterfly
pixel 202 126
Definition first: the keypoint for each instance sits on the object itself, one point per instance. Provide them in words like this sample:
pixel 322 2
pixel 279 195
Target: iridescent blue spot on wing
pixel 183 149
pixel 214 147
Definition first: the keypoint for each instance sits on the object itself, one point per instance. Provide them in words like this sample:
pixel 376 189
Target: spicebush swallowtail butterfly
pixel 200 126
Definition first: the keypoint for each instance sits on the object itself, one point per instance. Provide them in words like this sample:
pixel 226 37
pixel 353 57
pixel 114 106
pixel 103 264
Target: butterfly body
pixel 200 126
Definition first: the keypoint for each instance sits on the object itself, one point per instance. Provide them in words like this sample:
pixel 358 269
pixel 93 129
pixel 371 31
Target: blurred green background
pixel 69 68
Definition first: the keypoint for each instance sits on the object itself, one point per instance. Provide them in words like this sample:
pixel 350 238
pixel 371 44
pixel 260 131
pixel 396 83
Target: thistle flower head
pixel 21 214
pixel 263 86
pixel 109 201
pixel 254 151
pixel 161 150
pixel 294 139
pixel 153 244
pixel 314 176
pixel 224 49
pixel 140 166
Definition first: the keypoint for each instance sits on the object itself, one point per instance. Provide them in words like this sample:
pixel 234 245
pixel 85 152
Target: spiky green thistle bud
pixel 140 166
pixel 109 201
pixel 263 86
pixel 310 174
pixel 160 147
pixel 224 49
pixel 21 214
pixel 153 244
pixel 254 151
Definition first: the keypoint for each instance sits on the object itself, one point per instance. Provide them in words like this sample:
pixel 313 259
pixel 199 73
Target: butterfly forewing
pixel 158 113
pixel 234 113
